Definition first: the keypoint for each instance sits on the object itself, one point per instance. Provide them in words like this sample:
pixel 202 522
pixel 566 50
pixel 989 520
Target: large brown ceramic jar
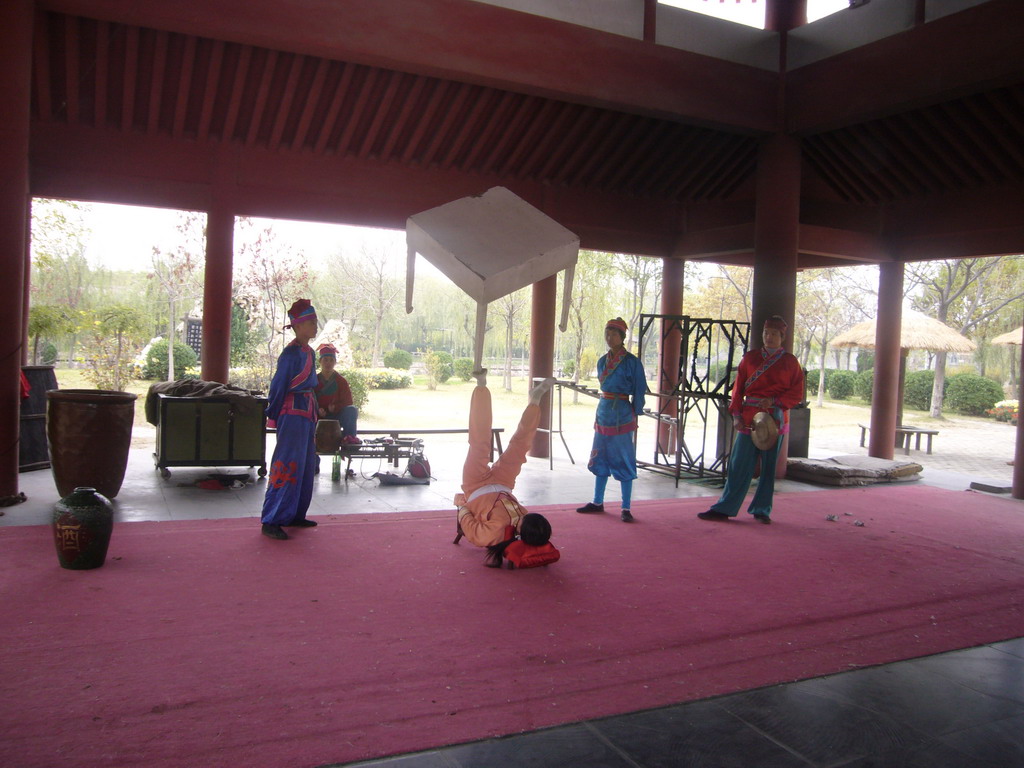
pixel 89 432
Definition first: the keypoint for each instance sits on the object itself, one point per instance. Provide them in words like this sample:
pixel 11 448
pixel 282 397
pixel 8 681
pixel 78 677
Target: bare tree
pixel 510 308
pixel 376 292
pixel 176 271
pixel 274 277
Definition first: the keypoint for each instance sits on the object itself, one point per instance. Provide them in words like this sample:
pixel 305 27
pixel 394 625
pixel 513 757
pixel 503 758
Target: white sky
pixel 751 12
pixel 123 237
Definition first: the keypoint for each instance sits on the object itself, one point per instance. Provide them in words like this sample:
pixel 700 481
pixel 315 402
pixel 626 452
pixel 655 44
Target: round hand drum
pixel 328 435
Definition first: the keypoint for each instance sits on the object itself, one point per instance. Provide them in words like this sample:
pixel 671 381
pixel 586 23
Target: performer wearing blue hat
pixel 292 406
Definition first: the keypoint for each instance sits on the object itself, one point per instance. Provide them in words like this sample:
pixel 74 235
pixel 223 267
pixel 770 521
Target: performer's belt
pixel 752 401
pixel 614 396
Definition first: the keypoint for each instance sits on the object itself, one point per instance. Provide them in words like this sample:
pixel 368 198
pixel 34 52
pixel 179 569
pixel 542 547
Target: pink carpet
pixel 206 644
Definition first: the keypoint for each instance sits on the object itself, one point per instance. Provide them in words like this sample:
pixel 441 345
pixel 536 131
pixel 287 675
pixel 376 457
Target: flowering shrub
pixel 1004 410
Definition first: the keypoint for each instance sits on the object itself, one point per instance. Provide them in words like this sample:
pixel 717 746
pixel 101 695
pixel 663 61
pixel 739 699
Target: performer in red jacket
pixel 769 380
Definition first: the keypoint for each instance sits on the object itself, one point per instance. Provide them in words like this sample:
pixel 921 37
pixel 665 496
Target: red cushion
pixel 524 556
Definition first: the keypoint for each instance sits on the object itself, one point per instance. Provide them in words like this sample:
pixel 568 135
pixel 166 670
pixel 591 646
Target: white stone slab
pixel 492 244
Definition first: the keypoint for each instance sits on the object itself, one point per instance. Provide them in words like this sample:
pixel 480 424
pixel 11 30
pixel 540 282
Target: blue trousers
pixel 348 417
pixel 741 471
pixel 290 482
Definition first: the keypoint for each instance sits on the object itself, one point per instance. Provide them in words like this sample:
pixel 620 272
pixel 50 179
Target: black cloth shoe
pixel 627 516
pixel 712 515
pixel 303 523
pixel 763 519
pixel 273 531
pixel 590 507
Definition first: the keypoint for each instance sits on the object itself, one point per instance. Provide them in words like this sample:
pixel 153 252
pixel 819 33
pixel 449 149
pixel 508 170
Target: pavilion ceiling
pixel 649 174
pixel 135 80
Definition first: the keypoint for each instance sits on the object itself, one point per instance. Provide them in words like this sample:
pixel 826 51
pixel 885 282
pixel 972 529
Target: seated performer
pixel 334 397
pixel 489 514
pixel 291 408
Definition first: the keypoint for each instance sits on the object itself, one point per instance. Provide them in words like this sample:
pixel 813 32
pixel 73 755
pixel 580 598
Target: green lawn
pixel 448 406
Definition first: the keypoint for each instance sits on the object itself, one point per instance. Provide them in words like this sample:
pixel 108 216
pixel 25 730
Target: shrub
pixel 464 368
pixel 840 384
pixel 48 355
pixel 384 378
pixel 812 379
pixel 156 360
pixel 1004 410
pixel 971 394
pixel 864 384
pixel 865 360
pixel 253 377
pixel 588 363
pixel 357 383
pixel 440 367
pixel 398 358
pixel 917 390
pixel 568 368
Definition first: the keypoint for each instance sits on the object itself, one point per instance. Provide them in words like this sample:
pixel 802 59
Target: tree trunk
pixel 508 356
pixel 821 374
pixel 170 342
pixel 940 380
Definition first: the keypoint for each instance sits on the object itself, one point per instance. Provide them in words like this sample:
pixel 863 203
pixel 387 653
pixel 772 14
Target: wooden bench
pixel 400 446
pixel 904 435
pixel 395 434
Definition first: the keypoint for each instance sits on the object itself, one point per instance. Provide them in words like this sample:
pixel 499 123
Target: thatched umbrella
pixel 917 331
pixel 1012 338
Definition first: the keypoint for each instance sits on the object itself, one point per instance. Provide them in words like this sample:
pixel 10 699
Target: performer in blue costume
pixel 293 407
pixel 622 377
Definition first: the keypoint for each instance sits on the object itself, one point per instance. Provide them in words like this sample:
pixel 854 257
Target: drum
pixel 328 435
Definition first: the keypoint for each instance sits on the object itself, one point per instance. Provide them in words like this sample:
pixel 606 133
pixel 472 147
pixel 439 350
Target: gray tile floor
pixel 964 708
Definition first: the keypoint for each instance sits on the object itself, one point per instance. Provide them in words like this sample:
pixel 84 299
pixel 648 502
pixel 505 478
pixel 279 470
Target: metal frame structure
pixel 709 353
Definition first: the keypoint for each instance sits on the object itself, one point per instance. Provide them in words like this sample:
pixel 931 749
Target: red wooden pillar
pixel 776 241
pixel 542 353
pixel 1017 490
pixel 886 388
pixel 671 304
pixel 15 85
pixel 783 15
pixel 220 233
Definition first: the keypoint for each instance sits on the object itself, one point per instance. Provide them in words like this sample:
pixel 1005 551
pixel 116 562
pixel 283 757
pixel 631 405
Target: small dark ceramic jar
pixel 82 523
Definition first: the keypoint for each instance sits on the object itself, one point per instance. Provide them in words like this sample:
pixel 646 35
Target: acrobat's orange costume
pixel 486 505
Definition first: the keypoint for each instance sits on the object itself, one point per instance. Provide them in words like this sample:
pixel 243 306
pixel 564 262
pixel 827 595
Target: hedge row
pixel 965 393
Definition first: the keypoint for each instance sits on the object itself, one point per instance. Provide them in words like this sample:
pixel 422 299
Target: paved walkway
pixel 964 451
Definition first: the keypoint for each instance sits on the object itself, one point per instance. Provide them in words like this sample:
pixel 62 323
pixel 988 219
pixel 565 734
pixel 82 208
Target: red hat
pixel 327 350
pixel 776 322
pixel 618 324
pixel 300 311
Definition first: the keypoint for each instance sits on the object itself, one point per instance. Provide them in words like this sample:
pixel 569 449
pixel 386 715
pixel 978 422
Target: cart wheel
pixel 263 471
pixel 165 473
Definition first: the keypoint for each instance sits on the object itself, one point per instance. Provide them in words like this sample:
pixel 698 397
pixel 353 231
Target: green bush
pixel 357 383
pixel 49 354
pixel 841 384
pixel 464 368
pixel 864 384
pixel 568 368
pixel 447 366
pixel 812 379
pixel 384 378
pixel 156 360
pixel 917 390
pixel 971 394
pixel 865 361
pixel 398 358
